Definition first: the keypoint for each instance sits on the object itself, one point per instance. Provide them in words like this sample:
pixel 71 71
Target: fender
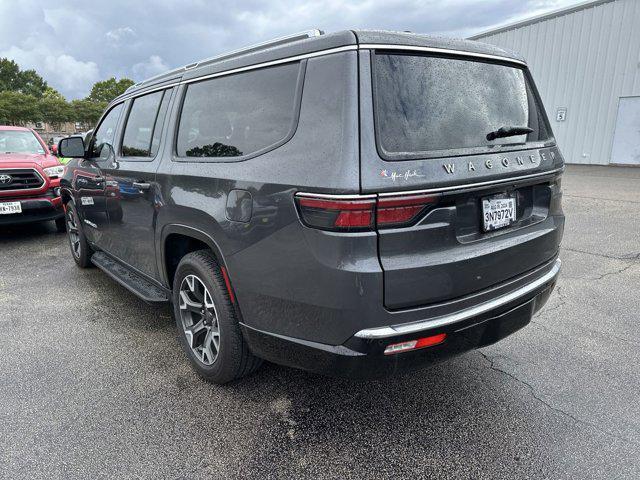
pixel 189 232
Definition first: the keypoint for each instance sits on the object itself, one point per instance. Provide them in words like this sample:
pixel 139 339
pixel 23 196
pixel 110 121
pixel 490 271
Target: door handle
pixel 142 185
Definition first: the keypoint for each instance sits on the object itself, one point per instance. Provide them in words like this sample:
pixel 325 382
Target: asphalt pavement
pixel 93 383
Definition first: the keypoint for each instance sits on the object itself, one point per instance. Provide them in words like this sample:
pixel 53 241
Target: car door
pixel 131 227
pixel 94 193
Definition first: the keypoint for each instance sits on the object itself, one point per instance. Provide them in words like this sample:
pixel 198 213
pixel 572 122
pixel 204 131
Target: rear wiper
pixel 508 132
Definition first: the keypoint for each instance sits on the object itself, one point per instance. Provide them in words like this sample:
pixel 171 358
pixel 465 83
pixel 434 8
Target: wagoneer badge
pixel 504 162
pixel 6 179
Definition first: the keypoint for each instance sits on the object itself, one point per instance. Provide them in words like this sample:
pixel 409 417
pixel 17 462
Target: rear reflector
pixel 362 213
pixel 415 344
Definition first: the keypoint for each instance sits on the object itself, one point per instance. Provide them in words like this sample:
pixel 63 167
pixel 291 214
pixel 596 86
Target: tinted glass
pixel 426 104
pixel 102 143
pixel 140 124
pixel 19 141
pixel 238 114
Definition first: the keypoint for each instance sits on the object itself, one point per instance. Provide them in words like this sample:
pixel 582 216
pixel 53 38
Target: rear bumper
pixel 39 209
pixel 362 356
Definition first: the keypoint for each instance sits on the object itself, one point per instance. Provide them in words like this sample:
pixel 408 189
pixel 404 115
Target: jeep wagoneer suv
pixel 356 204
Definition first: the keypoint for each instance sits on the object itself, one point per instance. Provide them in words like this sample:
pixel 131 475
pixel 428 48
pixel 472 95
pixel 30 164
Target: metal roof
pixel 540 18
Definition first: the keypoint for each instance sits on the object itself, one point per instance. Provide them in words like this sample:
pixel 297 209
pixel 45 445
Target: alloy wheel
pixel 199 320
pixel 72 231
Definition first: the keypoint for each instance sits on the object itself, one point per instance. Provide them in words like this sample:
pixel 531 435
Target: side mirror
pixel 72 147
pixel 54 149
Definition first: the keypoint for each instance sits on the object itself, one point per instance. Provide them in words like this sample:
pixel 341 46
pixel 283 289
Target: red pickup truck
pixel 29 179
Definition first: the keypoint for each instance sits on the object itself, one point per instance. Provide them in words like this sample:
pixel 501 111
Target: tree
pixel 54 110
pixel 107 90
pixel 17 108
pixel 51 92
pixel 87 111
pixel 23 81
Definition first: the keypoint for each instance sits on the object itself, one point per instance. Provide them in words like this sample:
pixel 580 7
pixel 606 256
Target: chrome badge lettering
pixel 505 162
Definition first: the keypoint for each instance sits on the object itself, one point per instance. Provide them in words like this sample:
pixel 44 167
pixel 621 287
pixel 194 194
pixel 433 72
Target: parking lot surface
pixel 93 383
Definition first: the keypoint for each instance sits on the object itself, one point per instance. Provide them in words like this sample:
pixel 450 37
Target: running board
pixel 129 279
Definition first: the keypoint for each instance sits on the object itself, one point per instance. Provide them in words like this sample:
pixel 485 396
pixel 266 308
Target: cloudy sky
pixel 74 43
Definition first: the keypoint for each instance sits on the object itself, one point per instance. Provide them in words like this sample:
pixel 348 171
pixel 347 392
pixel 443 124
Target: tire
pixel 199 283
pixel 80 249
pixel 61 224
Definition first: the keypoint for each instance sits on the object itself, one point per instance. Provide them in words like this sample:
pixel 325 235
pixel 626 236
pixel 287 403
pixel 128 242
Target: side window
pixel 142 131
pixel 239 114
pixel 102 143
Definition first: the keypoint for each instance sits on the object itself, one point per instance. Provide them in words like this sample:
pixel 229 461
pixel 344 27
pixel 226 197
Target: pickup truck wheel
pixel 206 321
pixel 80 249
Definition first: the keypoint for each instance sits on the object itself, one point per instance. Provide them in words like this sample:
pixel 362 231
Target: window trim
pixel 302 67
pixel 89 147
pixel 462 151
pixel 131 101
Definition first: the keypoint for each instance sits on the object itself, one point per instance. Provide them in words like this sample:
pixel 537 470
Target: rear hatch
pixel 469 134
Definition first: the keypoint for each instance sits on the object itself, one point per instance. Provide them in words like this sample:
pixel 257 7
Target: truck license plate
pixel 8 208
pixel 498 212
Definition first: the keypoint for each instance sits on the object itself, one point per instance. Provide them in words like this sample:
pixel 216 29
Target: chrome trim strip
pixel 445 51
pixel 295 58
pixel 25 190
pixel 337 196
pixel 319 53
pixel 390 331
pixel 255 66
pixel 465 186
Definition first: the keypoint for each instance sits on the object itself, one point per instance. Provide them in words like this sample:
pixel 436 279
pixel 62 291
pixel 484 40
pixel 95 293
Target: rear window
pixel 429 106
pixel 238 115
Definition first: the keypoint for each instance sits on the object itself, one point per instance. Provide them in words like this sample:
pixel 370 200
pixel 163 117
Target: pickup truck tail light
pixel 365 212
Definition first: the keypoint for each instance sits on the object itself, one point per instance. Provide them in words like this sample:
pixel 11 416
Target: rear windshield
pixel 428 105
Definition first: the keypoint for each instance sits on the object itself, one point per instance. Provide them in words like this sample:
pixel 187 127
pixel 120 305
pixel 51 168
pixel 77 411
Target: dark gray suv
pixel 355 204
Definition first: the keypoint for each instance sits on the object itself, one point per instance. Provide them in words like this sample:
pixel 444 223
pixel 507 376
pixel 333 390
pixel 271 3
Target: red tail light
pixel 346 215
pixel 402 210
pixel 362 212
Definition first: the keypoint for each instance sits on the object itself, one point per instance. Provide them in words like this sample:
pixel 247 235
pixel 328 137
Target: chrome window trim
pixel 319 53
pixel 255 66
pixel 443 51
pixel 22 190
pixel 403 329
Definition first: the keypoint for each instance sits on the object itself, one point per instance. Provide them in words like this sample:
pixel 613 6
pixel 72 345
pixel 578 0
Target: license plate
pixel 8 208
pixel 498 212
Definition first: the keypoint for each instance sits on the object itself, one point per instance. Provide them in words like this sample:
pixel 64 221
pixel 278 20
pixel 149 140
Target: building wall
pixel 585 61
pixel 49 130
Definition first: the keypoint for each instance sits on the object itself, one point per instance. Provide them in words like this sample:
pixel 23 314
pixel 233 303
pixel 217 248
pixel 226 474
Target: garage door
pixel 626 139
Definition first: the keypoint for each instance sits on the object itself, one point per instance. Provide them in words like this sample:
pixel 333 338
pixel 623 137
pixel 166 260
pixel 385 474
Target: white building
pixel 585 60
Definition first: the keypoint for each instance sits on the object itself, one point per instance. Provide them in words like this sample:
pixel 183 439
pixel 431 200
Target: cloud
pixel 62 71
pixel 153 66
pixel 120 34
pixel 73 45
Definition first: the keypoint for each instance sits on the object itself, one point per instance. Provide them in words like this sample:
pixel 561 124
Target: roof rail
pixel 236 53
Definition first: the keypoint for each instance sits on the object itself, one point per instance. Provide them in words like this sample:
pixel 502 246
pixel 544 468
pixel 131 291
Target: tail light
pixel 362 212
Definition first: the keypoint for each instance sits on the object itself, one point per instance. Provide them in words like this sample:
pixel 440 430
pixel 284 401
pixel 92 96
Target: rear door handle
pixel 142 185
